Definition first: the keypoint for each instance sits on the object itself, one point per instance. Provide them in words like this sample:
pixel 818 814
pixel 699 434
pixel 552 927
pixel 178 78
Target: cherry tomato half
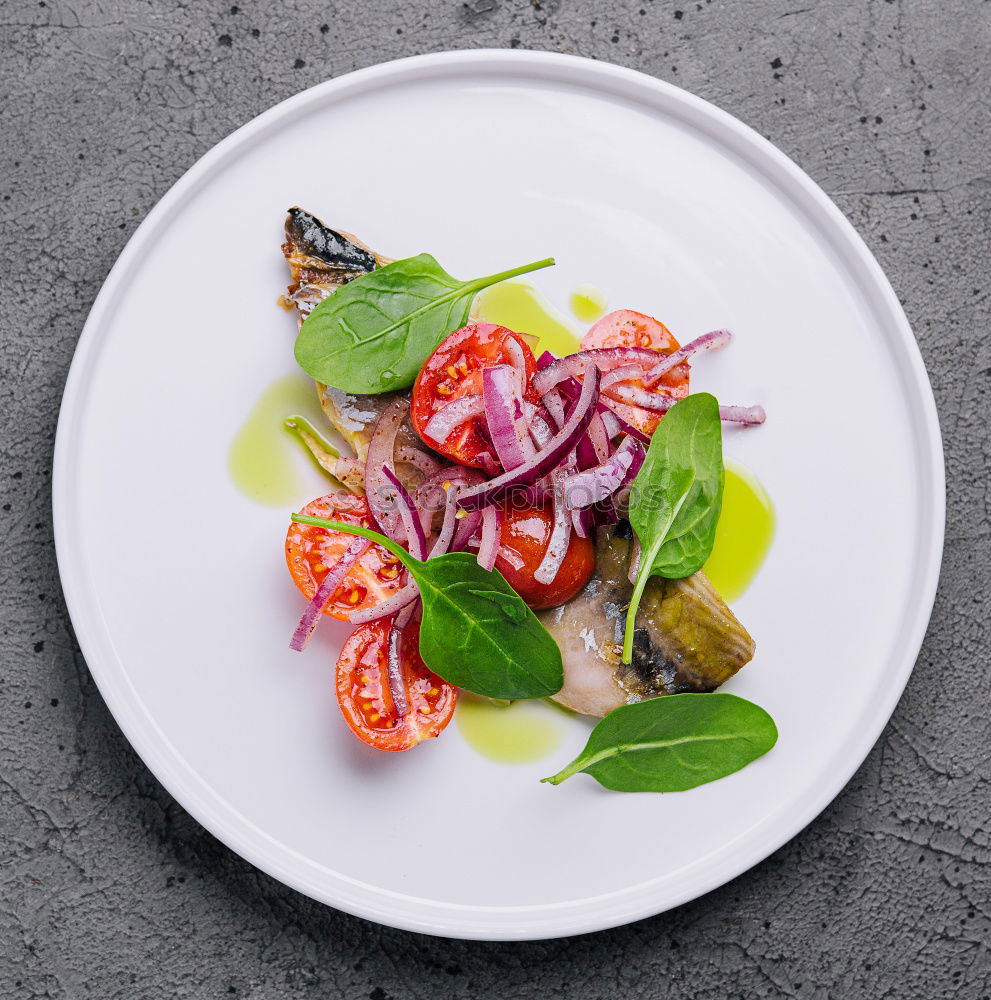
pixel 311 551
pixel 523 538
pixel 626 328
pixel 455 370
pixel 365 698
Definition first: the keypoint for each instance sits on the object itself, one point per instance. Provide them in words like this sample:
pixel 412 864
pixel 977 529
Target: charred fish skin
pixel 687 639
pixel 307 235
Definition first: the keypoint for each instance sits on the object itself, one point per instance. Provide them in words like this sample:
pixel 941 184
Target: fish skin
pixel 687 638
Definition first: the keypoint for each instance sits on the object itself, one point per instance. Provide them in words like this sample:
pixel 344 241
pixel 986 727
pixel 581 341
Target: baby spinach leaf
pixel 676 497
pixel 673 743
pixel 374 334
pixel 476 631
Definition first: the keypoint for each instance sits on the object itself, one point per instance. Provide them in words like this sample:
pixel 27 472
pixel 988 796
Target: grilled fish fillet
pixel 687 639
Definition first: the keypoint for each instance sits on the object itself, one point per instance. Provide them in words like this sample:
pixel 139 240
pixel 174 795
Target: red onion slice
pixel 451 415
pixel 598 437
pixel 456 479
pixel 604 359
pixel 418 458
pixel 399 600
pixel 397 683
pixel 645 399
pixel 504 414
pixel 583 489
pixel 545 460
pixel 488 547
pixel 610 422
pixel 624 373
pixel 540 424
pixel 466 529
pixel 557 547
pixel 325 592
pixel 749 416
pixel 707 342
pixel 516 358
pixel 582 521
pixel 381 455
pixel 554 405
pixel 571 389
pixel 410 516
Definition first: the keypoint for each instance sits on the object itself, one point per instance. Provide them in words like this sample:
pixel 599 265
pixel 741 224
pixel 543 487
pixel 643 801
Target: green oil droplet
pixel 743 535
pixel 510 734
pixel 588 303
pixel 264 462
pixel 520 307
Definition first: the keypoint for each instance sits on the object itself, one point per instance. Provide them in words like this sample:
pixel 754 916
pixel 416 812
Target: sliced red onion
pixel 381 455
pixel 453 479
pixel 399 600
pixel 598 437
pixel 516 358
pixel 610 422
pixel 326 591
pixel 397 683
pixel 604 359
pixel 624 373
pixel 466 529
pixel 582 521
pixel 545 359
pixel 490 465
pixel 418 458
pixel 557 547
pixel 488 547
pixel 583 489
pixel 450 522
pixel 707 342
pixel 410 515
pixel 477 497
pixel 645 399
pixel 539 423
pixel 750 416
pixel 554 405
pixel 451 415
pixel 504 414
pixel 571 389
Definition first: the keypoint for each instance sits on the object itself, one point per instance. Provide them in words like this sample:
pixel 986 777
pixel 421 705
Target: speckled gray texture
pixel 107 888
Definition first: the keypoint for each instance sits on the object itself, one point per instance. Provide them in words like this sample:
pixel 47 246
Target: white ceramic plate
pixel 176 582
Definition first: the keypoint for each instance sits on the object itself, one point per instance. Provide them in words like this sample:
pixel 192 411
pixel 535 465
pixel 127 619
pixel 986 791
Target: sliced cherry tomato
pixel 626 328
pixel 455 370
pixel 365 698
pixel 312 551
pixel 523 538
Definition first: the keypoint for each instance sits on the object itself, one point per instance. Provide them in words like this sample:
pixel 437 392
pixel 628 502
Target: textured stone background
pixel 107 888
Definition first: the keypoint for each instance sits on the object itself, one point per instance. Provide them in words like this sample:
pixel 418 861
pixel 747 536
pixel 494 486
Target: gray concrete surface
pixel 107 888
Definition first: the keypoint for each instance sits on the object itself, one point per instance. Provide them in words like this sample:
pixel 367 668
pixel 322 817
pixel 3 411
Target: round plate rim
pixel 540 920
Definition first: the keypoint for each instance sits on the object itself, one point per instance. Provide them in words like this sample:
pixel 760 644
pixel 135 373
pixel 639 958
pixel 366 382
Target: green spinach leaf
pixel 673 743
pixel 676 497
pixel 374 334
pixel 476 631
